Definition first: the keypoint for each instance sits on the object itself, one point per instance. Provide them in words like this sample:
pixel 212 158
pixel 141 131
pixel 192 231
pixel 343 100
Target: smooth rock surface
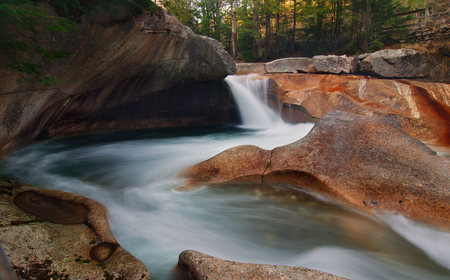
pixel 198 266
pixel 332 64
pixel 50 244
pixel 369 163
pixel 422 108
pixel 237 167
pixel 126 71
pixel 396 63
pixel 290 65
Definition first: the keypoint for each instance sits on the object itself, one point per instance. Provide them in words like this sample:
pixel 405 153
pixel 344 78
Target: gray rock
pixel 399 63
pixel 199 266
pixel 361 57
pixel 290 65
pixel 333 64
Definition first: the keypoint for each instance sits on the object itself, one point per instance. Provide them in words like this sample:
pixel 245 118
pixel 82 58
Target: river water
pixel 134 175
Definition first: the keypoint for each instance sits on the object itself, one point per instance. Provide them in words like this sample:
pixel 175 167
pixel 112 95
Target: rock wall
pixel 126 71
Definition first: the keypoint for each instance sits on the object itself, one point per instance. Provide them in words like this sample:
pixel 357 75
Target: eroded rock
pixel 367 162
pixel 422 108
pixel 396 63
pixel 290 65
pixel 198 266
pixel 231 165
pixel 61 236
pixel 127 70
pixel 332 64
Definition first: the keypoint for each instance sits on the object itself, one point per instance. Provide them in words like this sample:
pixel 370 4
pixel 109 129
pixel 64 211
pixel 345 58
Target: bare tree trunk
pixel 295 21
pixel 234 31
pixel 268 37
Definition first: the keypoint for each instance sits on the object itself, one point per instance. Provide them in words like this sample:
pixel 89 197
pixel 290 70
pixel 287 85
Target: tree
pixel 234 30
pixel 265 29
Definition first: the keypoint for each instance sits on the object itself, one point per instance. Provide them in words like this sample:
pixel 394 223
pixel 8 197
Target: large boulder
pixel 50 234
pixel 396 63
pixel 369 163
pixel 290 65
pixel 127 70
pixel 198 266
pixel 332 64
pixel 422 108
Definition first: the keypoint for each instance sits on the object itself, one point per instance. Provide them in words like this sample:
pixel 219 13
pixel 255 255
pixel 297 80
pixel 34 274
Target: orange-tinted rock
pixel 422 108
pixel 198 266
pixel 367 162
pixel 242 164
pixel 51 208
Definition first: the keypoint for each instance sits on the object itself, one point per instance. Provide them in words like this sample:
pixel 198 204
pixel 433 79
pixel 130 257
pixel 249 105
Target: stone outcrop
pixel 332 64
pixel 389 63
pixel 126 71
pixel 291 65
pixel 369 163
pixel 198 266
pixel 50 234
pixel 401 63
pixel 422 108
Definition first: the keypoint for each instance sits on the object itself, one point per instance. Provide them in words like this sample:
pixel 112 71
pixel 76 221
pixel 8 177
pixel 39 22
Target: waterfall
pixel 250 95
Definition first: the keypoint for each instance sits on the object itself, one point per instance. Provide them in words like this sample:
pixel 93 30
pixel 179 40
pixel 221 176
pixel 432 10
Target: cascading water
pixel 134 175
pixel 248 92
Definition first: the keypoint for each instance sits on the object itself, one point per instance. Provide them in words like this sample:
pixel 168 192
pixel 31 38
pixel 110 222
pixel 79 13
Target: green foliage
pixel 184 10
pixel 375 45
pixel 146 5
pixel 21 22
pixel 265 27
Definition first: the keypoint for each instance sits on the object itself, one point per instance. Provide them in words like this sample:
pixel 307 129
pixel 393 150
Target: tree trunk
pixel 234 31
pixel 294 22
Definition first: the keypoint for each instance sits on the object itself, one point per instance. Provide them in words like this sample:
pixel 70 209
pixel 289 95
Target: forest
pixel 250 30
pixel 261 30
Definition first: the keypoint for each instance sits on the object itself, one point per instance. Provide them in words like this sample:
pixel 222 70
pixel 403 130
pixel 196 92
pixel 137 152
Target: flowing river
pixel 134 175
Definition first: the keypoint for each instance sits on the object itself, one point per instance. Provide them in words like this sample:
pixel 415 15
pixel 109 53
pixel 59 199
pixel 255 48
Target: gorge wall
pixel 126 70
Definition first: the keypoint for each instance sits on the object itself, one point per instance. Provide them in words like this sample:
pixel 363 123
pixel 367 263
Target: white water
pixel 251 95
pixel 133 174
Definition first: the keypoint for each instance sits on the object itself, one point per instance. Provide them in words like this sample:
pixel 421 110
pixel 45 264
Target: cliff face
pixel 125 72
